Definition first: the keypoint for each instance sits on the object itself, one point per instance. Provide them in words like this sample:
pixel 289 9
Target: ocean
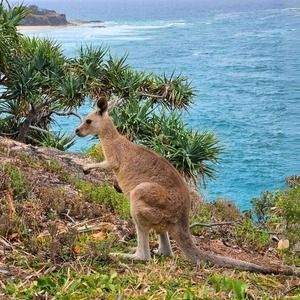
pixel 243 60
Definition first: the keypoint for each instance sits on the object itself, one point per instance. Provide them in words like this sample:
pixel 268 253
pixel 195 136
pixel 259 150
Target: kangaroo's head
pixel 93 122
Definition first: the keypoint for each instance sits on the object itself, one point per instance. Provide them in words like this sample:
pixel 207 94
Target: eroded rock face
pixel 45 20
pixel 70 162
pixel 44 17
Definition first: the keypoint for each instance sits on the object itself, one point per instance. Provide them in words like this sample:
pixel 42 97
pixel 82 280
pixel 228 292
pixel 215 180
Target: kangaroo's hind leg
pixel 146 202
pixel 142 252
pixel 164 247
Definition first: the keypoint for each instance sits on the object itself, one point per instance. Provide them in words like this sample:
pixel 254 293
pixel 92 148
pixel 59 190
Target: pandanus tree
pixel 38 82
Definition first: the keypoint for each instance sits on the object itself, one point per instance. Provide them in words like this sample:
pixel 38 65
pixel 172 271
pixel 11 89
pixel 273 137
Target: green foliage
pixel 220 210
pixel 58 141
pixel 103 194
pixel 37 85
pixel 288 204
pixel 96 152
pixel 9 37
pixel 52 166
pixel 280 212
pixel 69 285
pixel 225 210
pixel 262 206
pixel 133 120
pixel 202 214
pixel 246 232
pixel 288 211
pixel 89 64
pixel 16 181
pixel 175 91
pixel 191 152
pixel 293 181
pixel 237 287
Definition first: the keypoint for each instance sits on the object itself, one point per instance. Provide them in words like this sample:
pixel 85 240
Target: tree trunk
pixel 25 126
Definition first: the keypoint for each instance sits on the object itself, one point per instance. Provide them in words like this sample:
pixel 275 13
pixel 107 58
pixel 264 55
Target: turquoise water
pixel 244 63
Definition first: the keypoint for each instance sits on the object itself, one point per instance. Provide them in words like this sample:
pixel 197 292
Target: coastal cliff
pixel 53 217
pixel 44 17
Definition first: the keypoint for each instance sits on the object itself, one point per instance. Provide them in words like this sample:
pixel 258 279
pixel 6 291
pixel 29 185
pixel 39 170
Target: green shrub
pixel 280 212
pixel 58 140
pixel 16 181
pixel 293 181
pixel 68 285
pixel 262 207
pixel 247 232
pixel 103 194
pixel 229 285
pixel 96 152
pixel 288 210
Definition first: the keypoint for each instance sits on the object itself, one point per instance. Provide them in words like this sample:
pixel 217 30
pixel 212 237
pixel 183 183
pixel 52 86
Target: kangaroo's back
pixel 143 165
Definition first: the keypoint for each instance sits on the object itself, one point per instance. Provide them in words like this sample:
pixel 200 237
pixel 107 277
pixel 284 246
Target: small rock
pixel 283 244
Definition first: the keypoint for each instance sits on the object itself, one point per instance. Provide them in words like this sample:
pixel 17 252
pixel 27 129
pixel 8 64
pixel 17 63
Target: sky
pixel 205 3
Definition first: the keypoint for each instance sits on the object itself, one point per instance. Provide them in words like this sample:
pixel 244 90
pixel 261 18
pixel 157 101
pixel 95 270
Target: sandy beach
pixel 93 24
pixel 23 28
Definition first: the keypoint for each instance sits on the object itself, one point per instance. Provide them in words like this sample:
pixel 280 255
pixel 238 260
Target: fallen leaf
pixel 100 236
pixel 14 236
pixel 76 249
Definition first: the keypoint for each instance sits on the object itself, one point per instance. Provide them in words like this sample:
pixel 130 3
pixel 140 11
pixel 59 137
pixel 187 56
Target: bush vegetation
pixel 279 212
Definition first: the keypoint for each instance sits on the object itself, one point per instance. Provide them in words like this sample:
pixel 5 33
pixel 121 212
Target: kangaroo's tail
pixel 195 255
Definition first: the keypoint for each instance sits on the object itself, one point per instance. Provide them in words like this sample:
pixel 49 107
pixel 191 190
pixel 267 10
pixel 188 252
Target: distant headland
pixel 44 17
pixel 47 17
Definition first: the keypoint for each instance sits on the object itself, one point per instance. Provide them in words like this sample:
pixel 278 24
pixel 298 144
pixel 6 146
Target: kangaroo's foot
pixel 161 252
pixel 164 245
pixel 134 256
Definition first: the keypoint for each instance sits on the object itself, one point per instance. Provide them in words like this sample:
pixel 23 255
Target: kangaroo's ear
pixel 102 105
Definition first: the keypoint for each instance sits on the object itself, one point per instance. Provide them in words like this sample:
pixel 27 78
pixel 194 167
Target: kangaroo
pixel 159 196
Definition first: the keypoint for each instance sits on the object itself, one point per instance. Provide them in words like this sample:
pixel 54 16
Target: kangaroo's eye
pixel 88 121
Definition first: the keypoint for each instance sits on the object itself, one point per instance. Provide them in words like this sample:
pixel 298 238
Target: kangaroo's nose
pixel 77 131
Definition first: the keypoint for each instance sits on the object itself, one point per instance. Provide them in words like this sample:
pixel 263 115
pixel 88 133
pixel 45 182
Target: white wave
pixel 200 53
pixel 292 8
pixel 227 16
pixel 134 31
pixel 148 25
pixel 126 31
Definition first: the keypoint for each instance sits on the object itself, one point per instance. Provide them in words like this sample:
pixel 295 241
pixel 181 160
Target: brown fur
pixel 159 197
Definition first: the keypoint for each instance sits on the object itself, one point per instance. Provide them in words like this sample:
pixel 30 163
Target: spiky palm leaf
pixel 192 153
pixel 113 68
pixel 132 119
pixel 127 82
pixel 69 91
pixel 9 36
pixel 173 92
pixel 90 63
pixel 58 140
pixel 45 56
